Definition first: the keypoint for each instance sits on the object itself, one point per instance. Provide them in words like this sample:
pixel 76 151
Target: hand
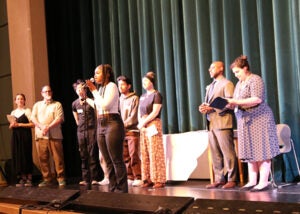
pixel 140 125
pixel 45 130
pixel 13 125
pixel 204 108
pixel 90 85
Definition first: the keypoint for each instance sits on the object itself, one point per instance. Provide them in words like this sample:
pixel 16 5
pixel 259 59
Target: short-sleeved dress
pixel 257 134
pixel 21 143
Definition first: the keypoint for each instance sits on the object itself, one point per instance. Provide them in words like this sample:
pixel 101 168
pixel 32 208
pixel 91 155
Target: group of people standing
pixel 257 136
pixel 46 116
pixel 115 127
pixel 124 131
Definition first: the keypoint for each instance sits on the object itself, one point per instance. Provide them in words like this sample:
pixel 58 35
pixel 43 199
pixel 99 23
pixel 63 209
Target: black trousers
pixel 110 136
pixel 89 154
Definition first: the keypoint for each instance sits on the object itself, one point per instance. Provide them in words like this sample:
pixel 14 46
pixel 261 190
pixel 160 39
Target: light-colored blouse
pixel 107 99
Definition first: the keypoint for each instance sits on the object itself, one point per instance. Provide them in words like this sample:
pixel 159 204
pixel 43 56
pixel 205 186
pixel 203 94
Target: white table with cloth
pixel 187 155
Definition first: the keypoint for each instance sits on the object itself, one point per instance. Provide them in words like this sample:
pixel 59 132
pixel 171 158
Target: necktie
pixel 211 88
pixel 210 94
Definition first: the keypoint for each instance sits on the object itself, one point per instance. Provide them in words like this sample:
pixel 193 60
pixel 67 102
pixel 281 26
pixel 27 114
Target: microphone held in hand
pixel 91 79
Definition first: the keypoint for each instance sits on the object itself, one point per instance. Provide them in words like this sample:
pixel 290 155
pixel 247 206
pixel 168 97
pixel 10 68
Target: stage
pixel 177 197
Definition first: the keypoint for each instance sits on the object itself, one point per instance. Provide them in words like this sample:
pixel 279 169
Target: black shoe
pixel 259 190
pixel 246 188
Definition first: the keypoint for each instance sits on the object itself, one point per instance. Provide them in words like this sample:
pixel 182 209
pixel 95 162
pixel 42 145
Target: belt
pixel 128 133
pixel 108 116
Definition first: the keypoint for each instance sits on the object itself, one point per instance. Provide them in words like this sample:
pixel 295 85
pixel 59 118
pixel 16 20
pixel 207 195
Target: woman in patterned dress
pixel 258 142
pixel 21 142
pixel 150 125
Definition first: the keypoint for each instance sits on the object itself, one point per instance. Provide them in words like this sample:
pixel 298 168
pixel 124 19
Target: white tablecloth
pixel 182 151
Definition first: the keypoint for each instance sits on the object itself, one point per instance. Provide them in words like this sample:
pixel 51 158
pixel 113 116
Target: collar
pixel 47 102
pixel 127 96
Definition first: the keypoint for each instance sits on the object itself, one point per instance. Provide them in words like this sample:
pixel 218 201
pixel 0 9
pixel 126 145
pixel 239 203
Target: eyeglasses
pixel 48 91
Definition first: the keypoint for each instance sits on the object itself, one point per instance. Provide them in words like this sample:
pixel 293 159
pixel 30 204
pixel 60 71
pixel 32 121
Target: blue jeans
pixel 110 136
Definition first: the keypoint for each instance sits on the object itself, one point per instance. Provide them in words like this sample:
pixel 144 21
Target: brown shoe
pixel 147 184
pixel 214 185
pixel 229 185
pixel 158 185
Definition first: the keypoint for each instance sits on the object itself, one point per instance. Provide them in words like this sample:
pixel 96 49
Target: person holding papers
pixel 258 141
pixel 220 127
pixel 151 137
pixel 21 142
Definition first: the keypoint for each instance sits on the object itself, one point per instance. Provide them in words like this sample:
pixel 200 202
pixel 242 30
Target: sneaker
pixel 20 183
pixel 44 184
pixel 105 181
pixel 137 183
pixel 83 183
pixel 94 182
pixel 28 183
pixel 62 183
pixel 130 182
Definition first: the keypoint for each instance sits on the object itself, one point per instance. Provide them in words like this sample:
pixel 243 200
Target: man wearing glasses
pixel 47 115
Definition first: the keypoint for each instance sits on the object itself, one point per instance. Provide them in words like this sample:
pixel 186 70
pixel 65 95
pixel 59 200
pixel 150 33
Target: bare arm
pixel 23 125
pixel 244 103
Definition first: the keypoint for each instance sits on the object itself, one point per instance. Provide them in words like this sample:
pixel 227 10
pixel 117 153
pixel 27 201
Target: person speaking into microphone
pixel 110 127
pixel 105 180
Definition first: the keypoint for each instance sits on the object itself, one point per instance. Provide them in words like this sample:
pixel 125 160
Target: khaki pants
pixel 47 149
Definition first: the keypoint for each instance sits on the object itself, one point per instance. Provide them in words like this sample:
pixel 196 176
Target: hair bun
pixel 151 76
pixel 244 57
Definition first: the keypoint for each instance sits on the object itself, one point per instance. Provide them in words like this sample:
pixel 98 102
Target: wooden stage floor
pixel 196 190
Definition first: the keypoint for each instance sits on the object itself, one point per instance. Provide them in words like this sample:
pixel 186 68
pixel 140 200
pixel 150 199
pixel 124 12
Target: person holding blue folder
pixel 220 127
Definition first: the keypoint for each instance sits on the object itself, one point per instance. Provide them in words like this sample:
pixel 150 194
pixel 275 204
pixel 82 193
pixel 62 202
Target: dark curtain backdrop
pixel 178 39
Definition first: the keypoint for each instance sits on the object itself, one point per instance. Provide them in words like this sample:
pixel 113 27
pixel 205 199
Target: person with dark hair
pixel 220 126
pixel 84 115
pixel 110 129
pixel 258 141
pixel 129 103
pixel 21 142
pixel 47 116
pixel 151 138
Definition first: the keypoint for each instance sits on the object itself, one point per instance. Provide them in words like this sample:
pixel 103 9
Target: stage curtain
pixel 178 39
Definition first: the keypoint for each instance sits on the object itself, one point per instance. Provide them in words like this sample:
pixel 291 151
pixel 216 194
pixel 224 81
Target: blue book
pixel 219 103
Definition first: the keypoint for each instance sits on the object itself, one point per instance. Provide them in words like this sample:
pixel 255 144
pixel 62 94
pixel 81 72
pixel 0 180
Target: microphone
pixel 91 79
